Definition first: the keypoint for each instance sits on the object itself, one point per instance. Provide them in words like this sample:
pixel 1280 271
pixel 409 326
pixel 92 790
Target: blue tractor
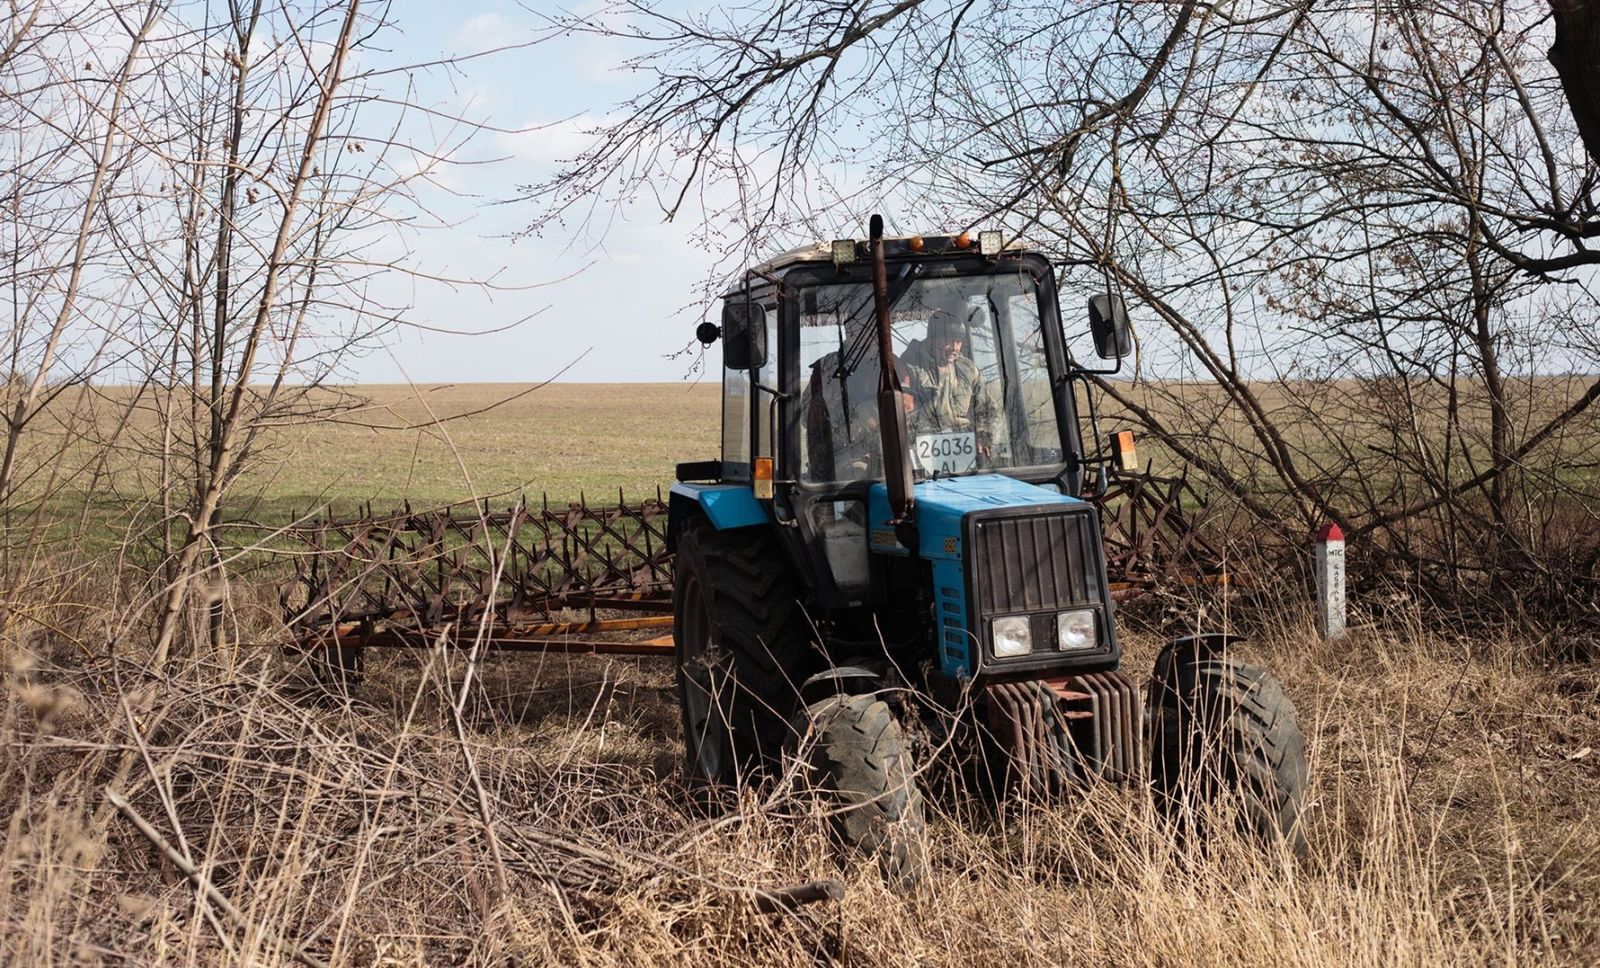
pixel 892 554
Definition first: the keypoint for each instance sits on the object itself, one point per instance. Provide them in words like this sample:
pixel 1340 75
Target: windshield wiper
pixel 898 287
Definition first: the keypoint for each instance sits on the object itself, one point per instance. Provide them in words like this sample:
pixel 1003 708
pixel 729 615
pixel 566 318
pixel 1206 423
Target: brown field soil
pixel 96 462
pixel 1454 813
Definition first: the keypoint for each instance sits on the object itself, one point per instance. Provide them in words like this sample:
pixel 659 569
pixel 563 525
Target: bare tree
pixel 1575 54
pixel 1382 214
pixel 200 199
pixel 67 147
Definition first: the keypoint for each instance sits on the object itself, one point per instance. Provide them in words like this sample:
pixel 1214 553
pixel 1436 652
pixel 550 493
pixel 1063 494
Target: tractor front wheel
pixel 1223 734
pixel 859 761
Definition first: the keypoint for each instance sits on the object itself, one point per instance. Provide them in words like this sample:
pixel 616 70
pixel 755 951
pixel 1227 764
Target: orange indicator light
pixel 964 241
pixel 915 244
pixel 761 478
pixel 1123 452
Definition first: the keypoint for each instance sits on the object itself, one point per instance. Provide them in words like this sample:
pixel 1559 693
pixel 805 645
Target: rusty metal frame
pixel 1151 539
pixel 512 579
pixel 515 578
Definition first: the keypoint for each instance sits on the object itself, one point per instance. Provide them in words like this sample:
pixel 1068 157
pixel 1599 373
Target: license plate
pixel 953 453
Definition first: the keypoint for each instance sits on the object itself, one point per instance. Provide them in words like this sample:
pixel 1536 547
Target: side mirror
pixel 744 335
pixel 1108 323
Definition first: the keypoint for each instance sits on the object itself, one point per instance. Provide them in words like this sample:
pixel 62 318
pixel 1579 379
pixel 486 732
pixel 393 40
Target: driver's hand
pixel 985 451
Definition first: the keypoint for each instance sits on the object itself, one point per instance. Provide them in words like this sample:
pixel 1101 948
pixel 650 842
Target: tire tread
pixel 861 758
pixel 1241 723
pixel 758 615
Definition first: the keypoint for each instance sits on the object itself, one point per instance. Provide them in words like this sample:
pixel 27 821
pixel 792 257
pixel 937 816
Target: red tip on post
pixel 1330 532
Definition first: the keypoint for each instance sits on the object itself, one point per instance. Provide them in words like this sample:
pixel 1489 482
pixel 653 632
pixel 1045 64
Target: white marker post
pixel 1330 582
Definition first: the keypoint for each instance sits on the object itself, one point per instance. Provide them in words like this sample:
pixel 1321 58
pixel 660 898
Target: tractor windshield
pixel 969 353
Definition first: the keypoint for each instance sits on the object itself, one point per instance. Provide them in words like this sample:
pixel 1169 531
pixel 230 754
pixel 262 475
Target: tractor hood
pixel 942 504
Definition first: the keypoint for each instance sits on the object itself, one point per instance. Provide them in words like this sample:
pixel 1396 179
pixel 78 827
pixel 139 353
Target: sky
pixel 618 308
pixel 621 306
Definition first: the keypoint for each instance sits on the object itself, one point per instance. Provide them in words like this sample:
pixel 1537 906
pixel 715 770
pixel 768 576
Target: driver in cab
pixel 841 408
pixel 950 394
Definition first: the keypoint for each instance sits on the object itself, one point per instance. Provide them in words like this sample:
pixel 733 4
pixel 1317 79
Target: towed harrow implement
pixel 594 578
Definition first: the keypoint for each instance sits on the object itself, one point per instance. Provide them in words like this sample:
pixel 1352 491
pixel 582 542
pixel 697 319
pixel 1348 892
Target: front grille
pixel 1035 562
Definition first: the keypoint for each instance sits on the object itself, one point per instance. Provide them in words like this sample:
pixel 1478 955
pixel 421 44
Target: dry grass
pixel 1454 822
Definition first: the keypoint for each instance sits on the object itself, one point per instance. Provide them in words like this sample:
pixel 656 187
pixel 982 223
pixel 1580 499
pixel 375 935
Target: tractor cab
pixel 802 364
pixel 975 363
pixel 990 446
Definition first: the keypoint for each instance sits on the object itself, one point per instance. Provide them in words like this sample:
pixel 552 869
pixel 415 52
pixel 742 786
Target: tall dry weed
pixel 540 820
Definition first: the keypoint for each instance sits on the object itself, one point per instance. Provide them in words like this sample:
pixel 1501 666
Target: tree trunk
pixel 1576 57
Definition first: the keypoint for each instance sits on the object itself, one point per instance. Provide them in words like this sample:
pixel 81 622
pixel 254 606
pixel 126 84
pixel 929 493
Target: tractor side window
pixel 739 395
pixel 767 376
pixel 1034 412
pixel 736 423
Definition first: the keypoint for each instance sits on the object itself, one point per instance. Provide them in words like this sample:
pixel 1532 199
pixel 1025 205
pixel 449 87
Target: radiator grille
pixel 1035 563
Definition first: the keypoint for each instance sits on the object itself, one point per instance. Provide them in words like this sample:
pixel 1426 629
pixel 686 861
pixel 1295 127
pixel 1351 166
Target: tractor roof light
pixel 990 242
pixel 844 251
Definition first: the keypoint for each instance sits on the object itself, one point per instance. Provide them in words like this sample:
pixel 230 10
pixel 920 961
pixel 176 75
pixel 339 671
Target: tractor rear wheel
pixel 1225 731
pixel 860 761
pixel 741 643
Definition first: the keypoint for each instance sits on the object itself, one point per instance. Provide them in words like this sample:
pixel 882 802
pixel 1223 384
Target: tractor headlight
pixel 1075 630
pixel 1012 636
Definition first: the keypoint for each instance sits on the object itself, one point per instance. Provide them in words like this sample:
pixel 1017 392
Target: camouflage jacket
pixel 950 398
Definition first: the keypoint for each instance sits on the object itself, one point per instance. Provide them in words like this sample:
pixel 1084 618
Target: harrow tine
pixel 416 570
pixel 1148 536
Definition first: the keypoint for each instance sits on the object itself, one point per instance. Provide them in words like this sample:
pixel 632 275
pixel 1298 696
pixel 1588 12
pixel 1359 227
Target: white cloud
pixel 486 31
pixel 601 60
pixel 546 143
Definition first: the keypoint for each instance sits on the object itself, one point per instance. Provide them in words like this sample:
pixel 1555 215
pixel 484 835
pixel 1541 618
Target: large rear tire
pixel 1225 731
pixel 860 761
pixel 741 646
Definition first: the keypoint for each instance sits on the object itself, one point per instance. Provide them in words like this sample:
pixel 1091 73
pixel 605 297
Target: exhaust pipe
pixel 891 404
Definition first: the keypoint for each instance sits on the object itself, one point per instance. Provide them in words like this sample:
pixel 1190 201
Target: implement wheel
pixel 741 642
pixel 860 762
pixel 1224 731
